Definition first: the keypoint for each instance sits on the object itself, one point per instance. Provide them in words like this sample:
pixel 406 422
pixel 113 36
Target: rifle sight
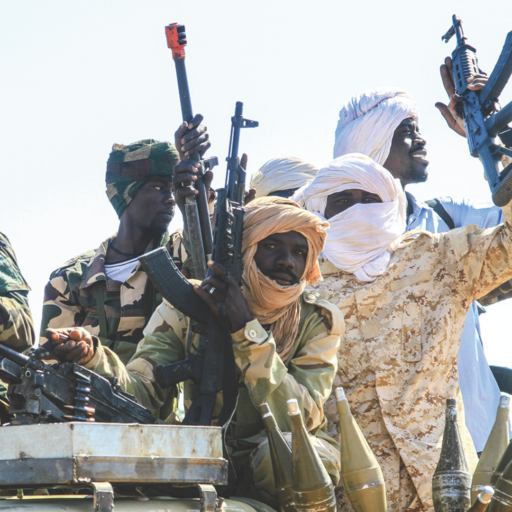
pixel 455 29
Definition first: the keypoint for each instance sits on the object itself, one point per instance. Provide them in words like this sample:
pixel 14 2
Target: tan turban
pixel 271 303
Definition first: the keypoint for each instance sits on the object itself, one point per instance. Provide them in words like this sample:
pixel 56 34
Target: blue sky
pixel 79 76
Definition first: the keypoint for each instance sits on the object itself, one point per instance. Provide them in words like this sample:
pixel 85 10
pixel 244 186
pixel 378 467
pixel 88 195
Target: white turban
pixel 368 121
pixel 359 238
pixel 282 174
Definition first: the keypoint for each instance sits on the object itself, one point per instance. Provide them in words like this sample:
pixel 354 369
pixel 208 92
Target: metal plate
pixel 68 504
pixel 70 453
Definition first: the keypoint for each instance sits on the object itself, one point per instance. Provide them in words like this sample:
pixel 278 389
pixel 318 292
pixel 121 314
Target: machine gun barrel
pixel 16 357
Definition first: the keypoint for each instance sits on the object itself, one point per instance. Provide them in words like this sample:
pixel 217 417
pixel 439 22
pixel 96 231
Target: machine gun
pixel 40 392
pixel 212 368
pixel 482 125
pixel 196 208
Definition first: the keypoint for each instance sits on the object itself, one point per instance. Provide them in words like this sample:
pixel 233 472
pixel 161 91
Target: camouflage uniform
pixel 80 289
pixel 398 357
pixel 16 325
pixel 307 375
pixel 80 294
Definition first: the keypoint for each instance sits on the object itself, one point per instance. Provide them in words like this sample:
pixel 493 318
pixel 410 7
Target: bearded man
pixel 404 299
pixel 383 124
pixel 285 342
pixel 106 290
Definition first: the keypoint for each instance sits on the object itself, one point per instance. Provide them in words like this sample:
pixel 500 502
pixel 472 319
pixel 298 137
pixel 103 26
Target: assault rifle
pixel 196 208
pixel 212 368
pixel 40 392
pixel 482 126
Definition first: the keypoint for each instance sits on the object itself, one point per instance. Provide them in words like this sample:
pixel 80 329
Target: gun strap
pixel 440 210
pixel 148 301
pixel 100 308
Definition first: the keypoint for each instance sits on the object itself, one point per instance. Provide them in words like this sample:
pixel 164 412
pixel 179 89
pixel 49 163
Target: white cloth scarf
pixel 282 174
pixel 368 121
pixel 359 239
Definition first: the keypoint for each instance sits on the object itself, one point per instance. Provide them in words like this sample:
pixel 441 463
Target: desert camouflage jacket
pixel 74 292
pixel 16 324
pixel 398 357
pixel 307 375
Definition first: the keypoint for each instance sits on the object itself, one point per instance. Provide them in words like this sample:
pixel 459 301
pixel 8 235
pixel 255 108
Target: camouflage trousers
pixel 256 476
pixel 406 501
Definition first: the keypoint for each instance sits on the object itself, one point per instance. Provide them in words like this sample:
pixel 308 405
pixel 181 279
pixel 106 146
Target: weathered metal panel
pixel 67 453
pixel 107 439
pixel 52 504
pixel 69 471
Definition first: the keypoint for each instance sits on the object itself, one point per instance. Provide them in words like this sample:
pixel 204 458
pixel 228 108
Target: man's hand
pixel 192 137
pixel 73 345
pixel 236 307
pixel 476 83
pixel 185 174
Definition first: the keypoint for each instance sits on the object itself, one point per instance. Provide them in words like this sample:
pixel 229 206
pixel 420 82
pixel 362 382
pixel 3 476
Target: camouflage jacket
pixel 16 324
pixel 72 295
pixel 307 375
pixel 398 357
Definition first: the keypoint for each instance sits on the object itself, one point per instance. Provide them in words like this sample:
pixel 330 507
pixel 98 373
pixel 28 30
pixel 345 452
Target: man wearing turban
pixel 285 341
pixel 404 298
pixel 106 290
pixel 282 177
pixel 383 124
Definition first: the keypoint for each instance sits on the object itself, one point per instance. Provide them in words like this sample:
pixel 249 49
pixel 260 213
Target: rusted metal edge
pixel 71 471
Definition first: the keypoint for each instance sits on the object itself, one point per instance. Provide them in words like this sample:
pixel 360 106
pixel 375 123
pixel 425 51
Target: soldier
pixel 285 341
pixel 106 291
pixel 282 177
pixel 404 300
pixel 16 325
pixel 383 124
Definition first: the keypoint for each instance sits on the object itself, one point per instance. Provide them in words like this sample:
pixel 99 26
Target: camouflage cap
pixel 128 167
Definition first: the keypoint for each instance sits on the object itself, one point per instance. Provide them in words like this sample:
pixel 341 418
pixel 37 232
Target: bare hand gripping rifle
pixel 196 208
pixel 40 392
pixel 482 125
pixel 212 368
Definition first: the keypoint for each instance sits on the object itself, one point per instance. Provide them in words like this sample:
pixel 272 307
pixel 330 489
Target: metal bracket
pixel 103 496
pixel 208 496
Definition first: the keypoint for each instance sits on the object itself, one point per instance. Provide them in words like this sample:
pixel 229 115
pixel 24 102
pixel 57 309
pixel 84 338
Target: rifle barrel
pixel 14 356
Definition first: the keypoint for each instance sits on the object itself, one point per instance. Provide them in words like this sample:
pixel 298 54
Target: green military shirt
pixel 306 375
pixel 16 324
pixel 79 294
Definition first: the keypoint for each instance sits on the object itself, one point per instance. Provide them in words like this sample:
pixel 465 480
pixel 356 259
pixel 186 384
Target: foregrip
pixel 174 286
pixel 499 76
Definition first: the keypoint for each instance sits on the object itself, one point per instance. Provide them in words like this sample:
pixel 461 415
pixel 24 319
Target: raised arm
pixel 481 258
